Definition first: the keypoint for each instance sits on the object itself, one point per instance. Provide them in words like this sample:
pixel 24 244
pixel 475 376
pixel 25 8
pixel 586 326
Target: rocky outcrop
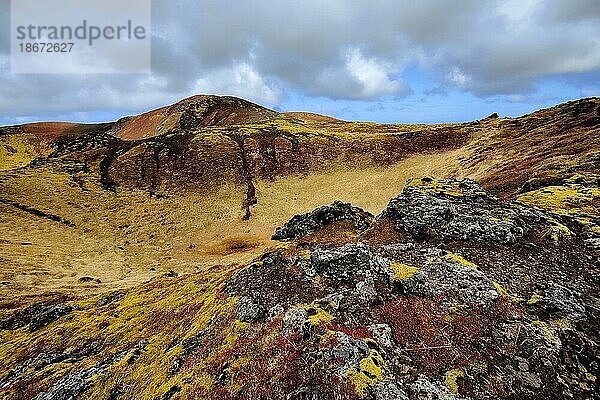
pixel 484 305
pixel 36 316
pixel 457 210
pixel 305 224
pixel 465 284
pixel 347 261
pixel 71 386
pixel 248 310
pixel 560 301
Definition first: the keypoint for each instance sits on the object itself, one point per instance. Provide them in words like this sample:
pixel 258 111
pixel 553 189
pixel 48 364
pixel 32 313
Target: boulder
pixel 467 284
pixel 348 352
pixel 293 321
pixel 343 263
pixel 457 210
pixel 382 333
pixel 305 224
pixel 248 310
pixel 563 302
pixel 47 315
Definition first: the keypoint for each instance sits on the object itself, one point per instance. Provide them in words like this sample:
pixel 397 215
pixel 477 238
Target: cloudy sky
pixel 378 60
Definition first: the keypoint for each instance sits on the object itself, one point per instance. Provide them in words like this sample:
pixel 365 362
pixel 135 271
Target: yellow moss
pixel 17 150
pixel 455 258
pixel 561 324
pixel 534 299
pixel 503 293
pixel 550 329
pixel 451 379
pixel 588 224
pixel 318 315
pixel 451 189
pixel 162 310
pixel 283 246
pixel 402 271
pixel 367 373
pixel 573 200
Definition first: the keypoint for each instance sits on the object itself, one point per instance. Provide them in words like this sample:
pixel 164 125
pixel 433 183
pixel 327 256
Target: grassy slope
pixel 179 337
pixel 127 237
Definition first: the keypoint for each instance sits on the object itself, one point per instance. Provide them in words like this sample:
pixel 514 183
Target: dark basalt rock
pixel 36 315
pixel 248 310
pixel 42 360
pixel 48 315
pixel 71 386
pixel 348 352
pixel 111 297
pixel 563 302
pixel 270 282
pixel 457 210
pixel 305 224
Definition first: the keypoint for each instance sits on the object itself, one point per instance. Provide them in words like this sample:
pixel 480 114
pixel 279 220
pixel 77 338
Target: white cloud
pixel 373 75
pixel 457 76
pixel 590 91
pixel 519 14
pixel 241 80
pixel 515 98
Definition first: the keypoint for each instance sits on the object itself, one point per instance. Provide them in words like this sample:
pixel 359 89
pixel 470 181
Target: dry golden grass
pixel 127 237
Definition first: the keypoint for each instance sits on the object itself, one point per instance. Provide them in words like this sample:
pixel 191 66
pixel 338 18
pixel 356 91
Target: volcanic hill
pixel 174 255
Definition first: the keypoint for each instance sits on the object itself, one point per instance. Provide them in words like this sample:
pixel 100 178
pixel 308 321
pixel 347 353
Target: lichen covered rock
pixel 389 391
pixel 382 314
pixel 459 210
pixel 343 263
pixel 560 301
pixel 36 316
pixel 305 224
pixel 248 310
pixel 466 284
pixel 428 390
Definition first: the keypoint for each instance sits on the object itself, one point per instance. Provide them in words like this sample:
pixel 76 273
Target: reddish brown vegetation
pixel 437 341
